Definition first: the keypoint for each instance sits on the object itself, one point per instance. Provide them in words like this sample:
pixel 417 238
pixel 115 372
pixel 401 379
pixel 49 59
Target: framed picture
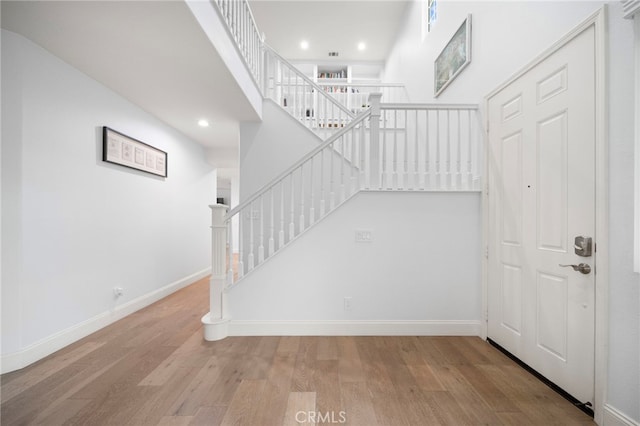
pixel 455 56
pixel 126 151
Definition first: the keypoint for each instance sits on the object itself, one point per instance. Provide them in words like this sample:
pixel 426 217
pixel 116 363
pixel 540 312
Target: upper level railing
pixel 240 22
pixel 303 98
pixel 324 108
pixel 355 95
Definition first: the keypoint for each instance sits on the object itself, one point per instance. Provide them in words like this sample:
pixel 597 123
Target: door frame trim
pixel 598 20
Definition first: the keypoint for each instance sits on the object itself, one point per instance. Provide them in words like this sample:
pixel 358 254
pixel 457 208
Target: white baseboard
pixel 40 349
pixel 613 417
pixel 354 328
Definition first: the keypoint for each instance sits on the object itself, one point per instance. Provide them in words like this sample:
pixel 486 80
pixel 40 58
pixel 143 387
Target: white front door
pixel 541 173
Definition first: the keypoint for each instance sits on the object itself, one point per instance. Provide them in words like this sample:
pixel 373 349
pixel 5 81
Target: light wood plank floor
pixel 153 368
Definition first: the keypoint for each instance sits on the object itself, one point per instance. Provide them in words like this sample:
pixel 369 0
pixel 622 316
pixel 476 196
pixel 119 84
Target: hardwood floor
pixel 153 368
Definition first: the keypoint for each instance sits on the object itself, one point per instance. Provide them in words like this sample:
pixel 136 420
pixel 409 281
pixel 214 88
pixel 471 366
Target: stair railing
pixel 303 98
pixel 242 25
pixel 389 147
pixel 291 203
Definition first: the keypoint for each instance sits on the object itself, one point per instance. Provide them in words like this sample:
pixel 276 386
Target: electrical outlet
pixel 118 291
pixel 364 235
pixel 347 303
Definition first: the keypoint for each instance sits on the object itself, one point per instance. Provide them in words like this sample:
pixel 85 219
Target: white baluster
pixel 374 143
pixel 234 19
pixel 272 243
pixel 334 118
pixel 322 201
pixel 312 210
pixel 404 182
pixel 296 95
pixel 281 232
pixel 247 35
pixel 250 258
pixel 314 109
pixel 292 227
pixel 332 194
pixel 458 180
pixel 469 152
pixel 416 155
pixel 395 150
pixel 438 171
pixel 261 244
pixel 448 142
pixel 386 176
pixel 342 161
pixel 301 219
pixel 241 25
pixel 305 108
pixel 362 183
pixel 241 244
pixel 427 149
pixel 287 94
pixel 230 255
pixel 354 171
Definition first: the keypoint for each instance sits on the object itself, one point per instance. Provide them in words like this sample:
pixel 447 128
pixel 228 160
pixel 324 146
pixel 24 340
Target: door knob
pixel 583 268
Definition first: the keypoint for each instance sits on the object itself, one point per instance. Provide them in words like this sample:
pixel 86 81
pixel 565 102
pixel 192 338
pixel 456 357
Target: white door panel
pixel 541 196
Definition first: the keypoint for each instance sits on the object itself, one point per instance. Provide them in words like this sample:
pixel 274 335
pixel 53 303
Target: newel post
pixel 374 148
pixel 215 322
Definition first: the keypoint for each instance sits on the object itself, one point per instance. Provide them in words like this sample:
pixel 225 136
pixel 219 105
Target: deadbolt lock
pixel 583 246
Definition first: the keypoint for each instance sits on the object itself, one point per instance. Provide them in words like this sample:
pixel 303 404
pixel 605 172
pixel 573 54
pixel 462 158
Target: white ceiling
pixel 155 54
pixel 330 26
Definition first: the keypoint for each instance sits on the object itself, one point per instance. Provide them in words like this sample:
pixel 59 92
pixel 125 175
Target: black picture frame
pixel 123 150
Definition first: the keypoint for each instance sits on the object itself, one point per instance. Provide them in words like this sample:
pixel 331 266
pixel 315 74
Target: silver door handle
pixel 583 268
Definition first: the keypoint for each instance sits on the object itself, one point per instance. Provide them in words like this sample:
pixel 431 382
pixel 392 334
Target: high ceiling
pixel 330 26
pixel 155 54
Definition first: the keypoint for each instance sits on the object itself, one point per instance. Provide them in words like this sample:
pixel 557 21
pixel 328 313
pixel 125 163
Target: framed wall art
pixel 126 151
pixel 455 56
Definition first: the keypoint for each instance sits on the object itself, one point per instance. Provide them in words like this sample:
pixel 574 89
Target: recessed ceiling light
pixel 203 123
pixel 304 45
pixel 362 46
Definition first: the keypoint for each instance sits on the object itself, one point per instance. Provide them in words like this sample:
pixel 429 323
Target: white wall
pixel 270 147
pixel 74 227
pixel 506 36
pixel 411 271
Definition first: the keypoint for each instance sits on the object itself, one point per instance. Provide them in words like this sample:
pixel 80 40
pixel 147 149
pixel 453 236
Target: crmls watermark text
pixel 319 417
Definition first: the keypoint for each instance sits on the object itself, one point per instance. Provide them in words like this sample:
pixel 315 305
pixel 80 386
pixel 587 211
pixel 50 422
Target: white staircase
pixel 386 147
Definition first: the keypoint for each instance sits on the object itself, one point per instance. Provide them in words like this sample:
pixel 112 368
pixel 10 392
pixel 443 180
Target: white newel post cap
pixel 374 101
pixel 218 212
